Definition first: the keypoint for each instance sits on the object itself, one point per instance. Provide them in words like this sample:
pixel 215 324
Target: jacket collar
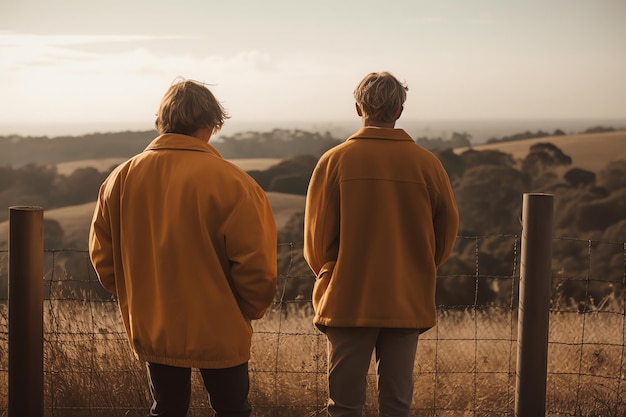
pixel 181 142
pixel 369 132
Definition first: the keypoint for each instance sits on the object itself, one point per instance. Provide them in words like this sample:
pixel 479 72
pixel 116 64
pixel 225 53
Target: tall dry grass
pixel 465 366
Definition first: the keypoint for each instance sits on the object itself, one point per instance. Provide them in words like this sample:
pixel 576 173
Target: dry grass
pixel 101 164
pixel 465 366
pixel 588 151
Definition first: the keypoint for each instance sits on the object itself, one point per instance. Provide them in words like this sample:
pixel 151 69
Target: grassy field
pixel 465 366
pixel 588 151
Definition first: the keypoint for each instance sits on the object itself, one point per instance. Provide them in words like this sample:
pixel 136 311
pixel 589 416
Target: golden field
pixel 588 151
pixel 465 366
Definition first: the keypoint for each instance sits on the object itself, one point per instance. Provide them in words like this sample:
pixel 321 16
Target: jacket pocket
pixel 327 269
pixel 322 283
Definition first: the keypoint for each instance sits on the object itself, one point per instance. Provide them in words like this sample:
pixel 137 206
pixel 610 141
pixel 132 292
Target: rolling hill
pixel 75 220
pixel 588 151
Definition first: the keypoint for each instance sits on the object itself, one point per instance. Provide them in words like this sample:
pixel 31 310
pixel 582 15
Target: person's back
pixel 390 190
pixel 176 205
pixel 187 242
pixel 380 218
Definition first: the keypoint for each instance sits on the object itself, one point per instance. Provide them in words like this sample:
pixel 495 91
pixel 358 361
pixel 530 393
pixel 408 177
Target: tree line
pixel 278 143
pixel 488 186
pixel 16 150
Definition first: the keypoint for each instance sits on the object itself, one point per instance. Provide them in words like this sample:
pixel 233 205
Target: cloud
pixel 59 77
pixel 29 51
pixel 67 53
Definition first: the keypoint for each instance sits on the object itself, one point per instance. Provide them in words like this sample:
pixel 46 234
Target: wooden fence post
pixel 25 311
pixel 534 305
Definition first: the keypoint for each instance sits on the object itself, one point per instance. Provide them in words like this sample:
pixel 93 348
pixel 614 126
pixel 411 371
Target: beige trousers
pixel 349 356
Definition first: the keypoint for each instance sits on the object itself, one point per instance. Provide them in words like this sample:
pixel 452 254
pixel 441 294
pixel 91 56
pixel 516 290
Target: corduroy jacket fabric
pixel 187 242
pixel 380 218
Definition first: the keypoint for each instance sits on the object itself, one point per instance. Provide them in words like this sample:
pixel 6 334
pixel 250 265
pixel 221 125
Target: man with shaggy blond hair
pixel 187 242
pixel 380 218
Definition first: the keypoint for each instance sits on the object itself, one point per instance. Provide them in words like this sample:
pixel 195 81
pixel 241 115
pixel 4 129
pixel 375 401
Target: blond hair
pixel 188 106
pixel 380 96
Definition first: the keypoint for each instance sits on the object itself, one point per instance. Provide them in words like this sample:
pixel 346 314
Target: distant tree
pixel 601 213
pixel 289 176
pixel 36 180
pixel 566 206
pixel 473 158
pixel 33 185
pixel 290 184
pixel 544 157
pixel 490 199
pixel 19 151
pixel 599 129
pixel 452 163
pixel 262 178
pixel 278 143
pixel 520 136
pixel 548 182
pixel 613 176
pixel 458 140
pixel 81 186
pixel 578 177
pixel 461 140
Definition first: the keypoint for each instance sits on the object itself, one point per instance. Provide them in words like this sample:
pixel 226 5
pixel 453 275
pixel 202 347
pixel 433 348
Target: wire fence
pixel 465 366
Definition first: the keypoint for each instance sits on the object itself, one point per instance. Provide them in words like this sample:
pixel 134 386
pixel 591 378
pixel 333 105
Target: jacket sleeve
pixel 251 242
pixel 446 220
pixel 101 246
pixel 321 219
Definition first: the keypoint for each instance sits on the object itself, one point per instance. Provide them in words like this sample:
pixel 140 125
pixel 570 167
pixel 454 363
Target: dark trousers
pixel 170 387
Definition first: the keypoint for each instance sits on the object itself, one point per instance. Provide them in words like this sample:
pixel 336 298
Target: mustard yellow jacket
pixel 380 218
pixel 187 242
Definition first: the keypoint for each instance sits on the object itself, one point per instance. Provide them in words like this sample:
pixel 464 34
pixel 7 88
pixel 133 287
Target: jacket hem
pixel 194 363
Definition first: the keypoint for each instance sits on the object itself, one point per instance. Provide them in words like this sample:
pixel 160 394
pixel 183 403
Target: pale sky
pixel 82 61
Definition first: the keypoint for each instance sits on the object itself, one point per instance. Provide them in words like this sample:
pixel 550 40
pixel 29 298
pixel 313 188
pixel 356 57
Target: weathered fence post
pixel 25 311
pixel 534 305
